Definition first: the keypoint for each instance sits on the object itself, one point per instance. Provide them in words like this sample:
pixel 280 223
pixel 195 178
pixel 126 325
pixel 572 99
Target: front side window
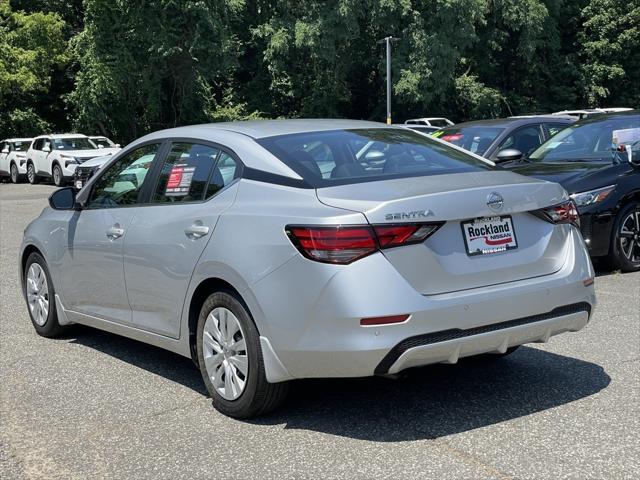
pixel 122 182
pixel 185 173
pixel 363 155
pixel 525 139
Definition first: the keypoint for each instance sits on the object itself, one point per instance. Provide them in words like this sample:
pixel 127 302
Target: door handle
pixel 197 230
pixel 115 232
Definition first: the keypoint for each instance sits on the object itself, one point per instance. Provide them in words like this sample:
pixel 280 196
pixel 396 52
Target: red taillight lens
pixel 565 212
pixel 345 244
pixel 336 244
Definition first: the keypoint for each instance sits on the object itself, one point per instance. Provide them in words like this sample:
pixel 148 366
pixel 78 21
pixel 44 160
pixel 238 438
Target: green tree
pixel 610 50
pixel 32 46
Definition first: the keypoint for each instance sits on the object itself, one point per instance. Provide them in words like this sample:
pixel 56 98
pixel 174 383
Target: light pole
pixel 387 41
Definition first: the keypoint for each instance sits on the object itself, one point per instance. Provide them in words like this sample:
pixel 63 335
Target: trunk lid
pixel 441 264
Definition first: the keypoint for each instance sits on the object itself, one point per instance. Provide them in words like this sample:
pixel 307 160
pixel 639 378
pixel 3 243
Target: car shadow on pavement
pixel 425 403
pixel 440 400
pixel 169 365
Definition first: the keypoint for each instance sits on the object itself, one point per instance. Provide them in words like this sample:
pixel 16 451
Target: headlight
pixel 68 160
pixel 592 197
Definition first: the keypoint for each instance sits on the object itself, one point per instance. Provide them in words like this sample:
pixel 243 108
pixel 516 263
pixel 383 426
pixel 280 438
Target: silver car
pixel 269 251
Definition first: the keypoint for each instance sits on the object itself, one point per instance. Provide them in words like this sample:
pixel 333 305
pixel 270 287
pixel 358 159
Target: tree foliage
pixel 127 67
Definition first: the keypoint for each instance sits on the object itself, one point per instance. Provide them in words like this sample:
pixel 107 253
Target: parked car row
pixel 597 160
pixel 52 156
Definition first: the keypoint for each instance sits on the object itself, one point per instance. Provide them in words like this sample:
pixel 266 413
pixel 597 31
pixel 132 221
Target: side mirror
pixel 117 145
pixel 508 155
pixel 5 150
pixel 63 199
pixel 373 155
pixel 46 148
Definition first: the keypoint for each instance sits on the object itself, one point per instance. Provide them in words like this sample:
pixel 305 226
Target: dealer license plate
pixel 488 235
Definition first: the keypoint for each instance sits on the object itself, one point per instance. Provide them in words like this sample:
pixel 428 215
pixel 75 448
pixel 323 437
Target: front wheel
pixel 56 172
pixel 31 174
pixel 15 176
pixel 230 359
pixel 625 246
pixel 41 297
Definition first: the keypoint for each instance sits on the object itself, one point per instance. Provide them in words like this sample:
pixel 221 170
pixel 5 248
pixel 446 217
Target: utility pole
pixel 387 41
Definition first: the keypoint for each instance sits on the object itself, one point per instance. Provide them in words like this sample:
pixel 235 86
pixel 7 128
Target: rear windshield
pixel 475 139
pixel 351 156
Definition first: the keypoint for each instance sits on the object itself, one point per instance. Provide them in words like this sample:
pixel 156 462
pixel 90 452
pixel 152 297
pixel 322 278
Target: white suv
pixel 13 158
pixel 57 156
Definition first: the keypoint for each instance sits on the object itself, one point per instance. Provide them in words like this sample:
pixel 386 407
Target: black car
pixel 597 160
pixel 504 139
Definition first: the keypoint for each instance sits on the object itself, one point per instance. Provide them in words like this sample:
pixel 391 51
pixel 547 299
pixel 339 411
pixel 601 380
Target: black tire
pixel 617 255
pixel 56 173
pixel 32 177
pixel 13 173
pixel 259 396
pixel 51 327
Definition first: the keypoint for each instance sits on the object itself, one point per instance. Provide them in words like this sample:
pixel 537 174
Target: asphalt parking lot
pixel 94 405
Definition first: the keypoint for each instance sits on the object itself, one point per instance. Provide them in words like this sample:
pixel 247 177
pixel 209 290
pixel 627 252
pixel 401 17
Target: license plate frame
pixel 498 242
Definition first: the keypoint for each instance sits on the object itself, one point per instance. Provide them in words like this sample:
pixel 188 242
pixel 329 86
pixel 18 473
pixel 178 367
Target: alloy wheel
pixel 14 173
pixel 38 294
pixel 31 173
pixel 225 353
pixel 57 176
pixel 630 236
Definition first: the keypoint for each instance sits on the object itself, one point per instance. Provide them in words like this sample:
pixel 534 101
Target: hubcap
pixel 225 353
pixel 38 294
pixel 630 237
pixel 30 172
pixel 14 173
pixel 56 176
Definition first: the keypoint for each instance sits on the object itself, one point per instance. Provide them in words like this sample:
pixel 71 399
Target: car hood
pixel 573 176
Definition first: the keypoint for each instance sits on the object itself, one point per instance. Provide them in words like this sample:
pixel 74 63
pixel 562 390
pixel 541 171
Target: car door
pixel 525 139
pixel 40 156
pixel 93 283
pixel 4 154
pixel 164 242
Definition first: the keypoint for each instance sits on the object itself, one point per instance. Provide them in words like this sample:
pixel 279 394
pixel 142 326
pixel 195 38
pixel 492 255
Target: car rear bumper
pixel 330 342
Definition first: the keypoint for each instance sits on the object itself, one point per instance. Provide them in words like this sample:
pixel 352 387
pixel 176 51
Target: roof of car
pixel 17 140
pixel 62 135
pixel 604 116
pixel 271 128
pixel 504 122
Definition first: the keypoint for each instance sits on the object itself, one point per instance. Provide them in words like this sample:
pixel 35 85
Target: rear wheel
pixel 31 174
pixel 230 359
pixel 41 297
pixel 625 245
pixel 56 173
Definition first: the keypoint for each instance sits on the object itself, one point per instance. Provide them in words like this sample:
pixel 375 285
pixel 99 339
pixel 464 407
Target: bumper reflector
pixel 383 320
pixel 589 281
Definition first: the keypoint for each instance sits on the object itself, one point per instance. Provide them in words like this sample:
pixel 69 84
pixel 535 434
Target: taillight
pixel 565 212
pixel 396 235
pixel 341 244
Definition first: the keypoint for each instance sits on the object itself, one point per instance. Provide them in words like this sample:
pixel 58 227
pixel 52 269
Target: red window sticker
pixel 175 177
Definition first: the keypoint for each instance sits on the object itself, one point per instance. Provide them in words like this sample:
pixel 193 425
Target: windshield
pixel 73 143
pixel 21 146
pixel 476 139
pixel 352 156
pixel 589 140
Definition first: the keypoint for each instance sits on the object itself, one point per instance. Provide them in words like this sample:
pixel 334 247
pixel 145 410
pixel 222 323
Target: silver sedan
pixel 269 251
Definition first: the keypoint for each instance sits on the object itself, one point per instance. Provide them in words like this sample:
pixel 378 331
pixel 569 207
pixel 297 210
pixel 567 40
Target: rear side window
pixel 351 156
pixel 186 173
pixel 225 171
